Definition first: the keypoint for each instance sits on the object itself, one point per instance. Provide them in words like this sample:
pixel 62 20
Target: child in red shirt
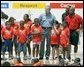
pixel 14 26
pixel 7 36
pixel 64 39
pixel 28 24
pixel 36 31
pixel 22 38
pixel 55 39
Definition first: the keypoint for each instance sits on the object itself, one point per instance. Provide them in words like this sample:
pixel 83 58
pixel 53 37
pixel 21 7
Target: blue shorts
pixel 8 45
pixel 22 47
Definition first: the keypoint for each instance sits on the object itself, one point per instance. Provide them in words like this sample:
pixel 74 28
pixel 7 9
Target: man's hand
pixel 78 30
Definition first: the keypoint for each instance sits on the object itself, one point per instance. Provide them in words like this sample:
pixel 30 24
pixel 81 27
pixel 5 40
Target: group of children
pixel 22 33
pixel 60 37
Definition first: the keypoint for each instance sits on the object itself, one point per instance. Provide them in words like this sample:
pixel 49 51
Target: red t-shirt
pixel 15 28
pixel 28 25
pixel 22 35
pixel 36 37
pixel 7 33
pixel 74 22
pixel 55 38
pixel 64 37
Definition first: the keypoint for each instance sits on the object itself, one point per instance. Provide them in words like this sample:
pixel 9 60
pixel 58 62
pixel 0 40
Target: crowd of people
pixel 20 34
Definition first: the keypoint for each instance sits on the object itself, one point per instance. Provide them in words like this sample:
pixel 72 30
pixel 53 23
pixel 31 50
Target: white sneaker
pixel 33 57
pixel 66 60
pixel 25 58
pixel 29 57
pixel 6 55
pixel 57 59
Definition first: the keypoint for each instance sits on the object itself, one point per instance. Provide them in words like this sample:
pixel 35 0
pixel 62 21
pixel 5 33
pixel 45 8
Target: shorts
pixel 22 47
pixel 36 42
pixel 8 45
pixel 54 45
pixel 74 37
pixel 35 45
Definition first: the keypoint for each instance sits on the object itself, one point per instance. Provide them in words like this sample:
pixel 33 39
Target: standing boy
pixel 7 36
pixel 22 39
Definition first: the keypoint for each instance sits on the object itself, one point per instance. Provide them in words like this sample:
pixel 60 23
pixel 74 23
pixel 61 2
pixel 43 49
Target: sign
pixel 63 5
pixel 4 5
pixel 28 5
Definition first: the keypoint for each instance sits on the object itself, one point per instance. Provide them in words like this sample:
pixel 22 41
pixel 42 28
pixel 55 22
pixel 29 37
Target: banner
pixel 28 5
pixel 4 5
pixel 63 5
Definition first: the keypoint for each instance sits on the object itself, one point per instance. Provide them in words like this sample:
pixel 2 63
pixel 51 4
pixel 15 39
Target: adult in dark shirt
pixel 65 13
